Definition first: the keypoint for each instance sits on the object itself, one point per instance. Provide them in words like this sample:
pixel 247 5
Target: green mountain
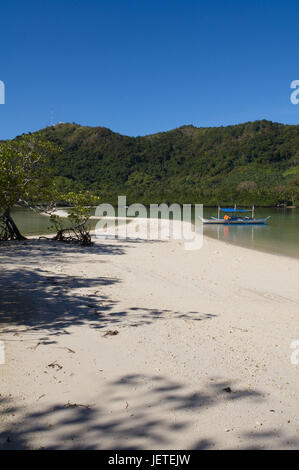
pixel 255 162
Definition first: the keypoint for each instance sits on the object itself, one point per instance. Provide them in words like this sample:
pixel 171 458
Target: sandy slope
pixel 190 324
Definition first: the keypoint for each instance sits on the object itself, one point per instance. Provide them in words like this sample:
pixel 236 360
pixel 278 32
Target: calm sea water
pixel 280 236
pixel 31 223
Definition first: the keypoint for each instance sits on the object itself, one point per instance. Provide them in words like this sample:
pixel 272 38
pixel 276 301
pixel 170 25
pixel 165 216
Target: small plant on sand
pixel 78 228
pixel 26 180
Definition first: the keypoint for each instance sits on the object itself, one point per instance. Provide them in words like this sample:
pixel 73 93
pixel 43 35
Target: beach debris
pixel 42 396
pixel 227 390
pixel 111 333
pixel 35 347
pixel 69 350
pixel 240 329
pixel 55 364
pixel 76 405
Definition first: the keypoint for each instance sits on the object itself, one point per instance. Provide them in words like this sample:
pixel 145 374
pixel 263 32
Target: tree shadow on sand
pixel 32 251
pixel 133 412
pixel 36 298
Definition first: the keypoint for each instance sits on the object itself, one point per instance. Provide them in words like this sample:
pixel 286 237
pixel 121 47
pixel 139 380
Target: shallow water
pixel 280 235
pixel 31 223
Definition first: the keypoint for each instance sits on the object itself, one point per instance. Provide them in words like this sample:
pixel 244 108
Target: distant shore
pixel 143 345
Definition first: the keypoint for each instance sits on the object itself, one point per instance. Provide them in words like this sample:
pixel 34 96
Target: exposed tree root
pixel 8 229
pixel 77 235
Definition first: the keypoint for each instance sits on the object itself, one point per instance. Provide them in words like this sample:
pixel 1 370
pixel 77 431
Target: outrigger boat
pixel 235 219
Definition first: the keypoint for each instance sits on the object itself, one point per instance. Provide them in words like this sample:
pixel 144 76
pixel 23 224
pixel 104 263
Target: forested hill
pixel 256 162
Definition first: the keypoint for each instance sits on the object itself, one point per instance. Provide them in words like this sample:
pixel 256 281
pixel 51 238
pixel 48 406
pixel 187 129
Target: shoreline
pixel 201 358
pixel 63 214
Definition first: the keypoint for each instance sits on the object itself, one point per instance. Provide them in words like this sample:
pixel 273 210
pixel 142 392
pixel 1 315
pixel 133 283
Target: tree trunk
pixel 14 233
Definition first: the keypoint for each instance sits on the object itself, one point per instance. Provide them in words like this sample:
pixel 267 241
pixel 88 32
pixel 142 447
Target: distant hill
pixel 255 162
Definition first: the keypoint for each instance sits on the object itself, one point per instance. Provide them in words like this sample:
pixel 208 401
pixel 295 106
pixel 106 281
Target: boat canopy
pixel 234 210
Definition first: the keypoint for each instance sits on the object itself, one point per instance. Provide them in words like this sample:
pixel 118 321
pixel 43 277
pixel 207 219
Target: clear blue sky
pixel 142 66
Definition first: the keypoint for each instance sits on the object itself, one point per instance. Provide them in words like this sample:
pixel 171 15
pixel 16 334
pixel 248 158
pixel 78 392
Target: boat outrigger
pixel 235 219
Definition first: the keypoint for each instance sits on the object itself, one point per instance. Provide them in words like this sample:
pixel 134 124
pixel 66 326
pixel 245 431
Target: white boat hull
pixel 241 221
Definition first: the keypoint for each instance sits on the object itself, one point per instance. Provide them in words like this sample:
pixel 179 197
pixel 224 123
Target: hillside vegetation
pixel 256 162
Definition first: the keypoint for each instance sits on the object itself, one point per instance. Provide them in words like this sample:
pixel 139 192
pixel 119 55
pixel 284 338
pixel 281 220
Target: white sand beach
pixel 201 358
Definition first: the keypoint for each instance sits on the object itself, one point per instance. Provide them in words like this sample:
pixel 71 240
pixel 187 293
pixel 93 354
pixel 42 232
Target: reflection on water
pixel 280 236
pixel 31 223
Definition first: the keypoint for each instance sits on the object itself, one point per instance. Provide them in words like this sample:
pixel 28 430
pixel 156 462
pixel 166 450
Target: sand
pixel 199 358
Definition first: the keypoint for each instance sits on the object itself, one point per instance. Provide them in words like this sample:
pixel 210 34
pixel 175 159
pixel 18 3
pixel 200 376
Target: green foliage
pixel 77 229
pixel 24 172
pixel 292 171
pixel 81 203
pixel 187 164
pixel 26 179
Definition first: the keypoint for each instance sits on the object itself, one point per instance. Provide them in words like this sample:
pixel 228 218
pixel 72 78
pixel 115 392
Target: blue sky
pixel 142 66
